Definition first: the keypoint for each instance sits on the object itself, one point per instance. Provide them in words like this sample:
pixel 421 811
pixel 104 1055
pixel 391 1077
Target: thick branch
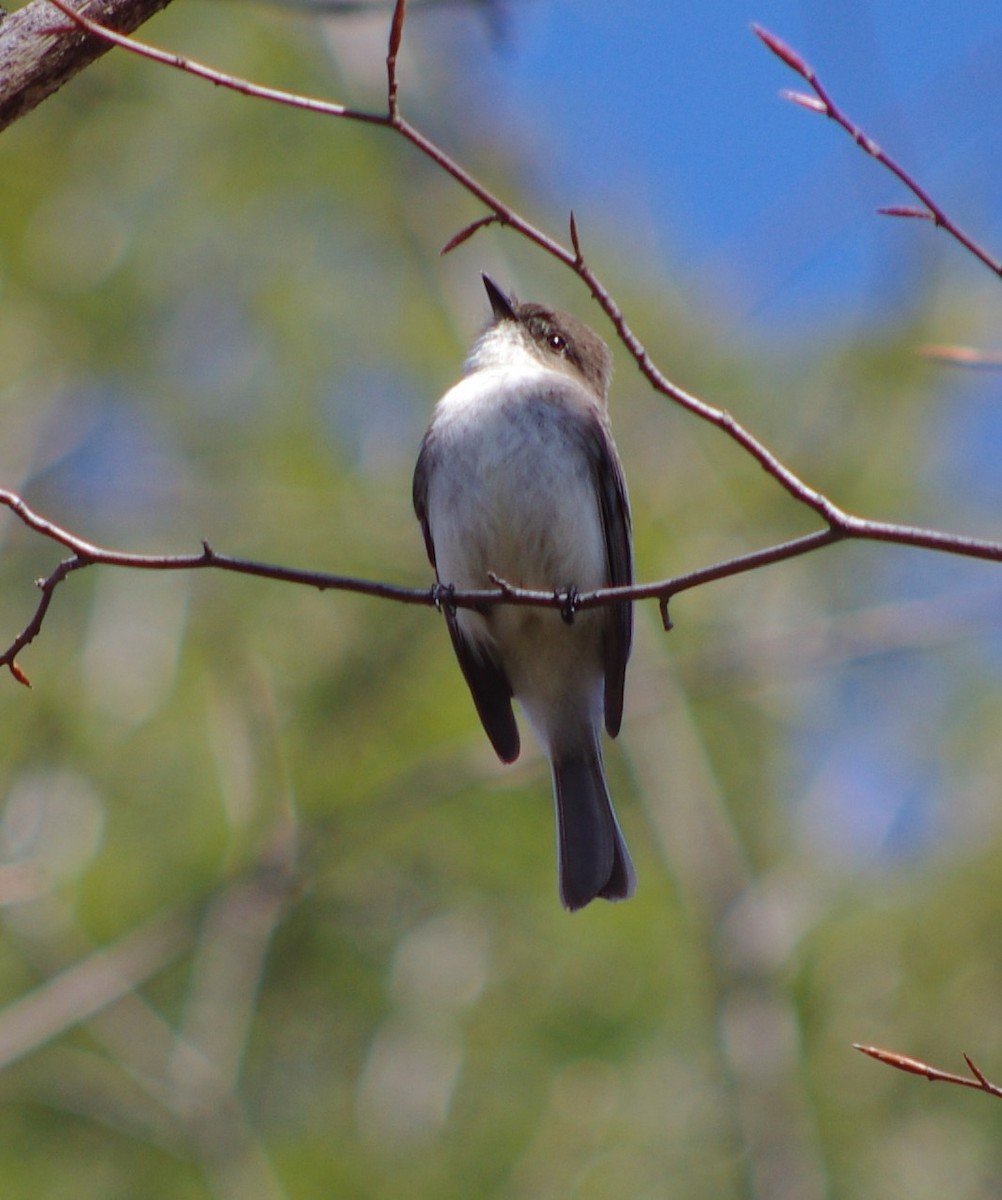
pixel 37 57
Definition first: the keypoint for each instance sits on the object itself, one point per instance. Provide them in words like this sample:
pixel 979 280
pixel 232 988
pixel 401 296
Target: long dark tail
pixel 594 860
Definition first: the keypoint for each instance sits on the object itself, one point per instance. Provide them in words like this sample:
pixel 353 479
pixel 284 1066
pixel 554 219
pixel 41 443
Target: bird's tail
pixel 594 860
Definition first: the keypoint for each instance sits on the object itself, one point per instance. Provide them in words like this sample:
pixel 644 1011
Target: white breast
pixel 513 491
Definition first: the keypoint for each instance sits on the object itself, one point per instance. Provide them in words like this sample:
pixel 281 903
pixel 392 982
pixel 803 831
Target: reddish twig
pixel 86 554
pixel 915 1066
pixel 822 102
pixel 830 513
pixel 963 356
pixel 573 258
pixel 468 231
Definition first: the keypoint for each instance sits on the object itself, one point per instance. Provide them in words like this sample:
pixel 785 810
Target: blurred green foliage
pixel 275 923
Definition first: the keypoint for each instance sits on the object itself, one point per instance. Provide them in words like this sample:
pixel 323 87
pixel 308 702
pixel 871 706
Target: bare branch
pixel 839 525
pixel 575 240
pixel 86 554
pixel 396 35
pixel 915 1066
pixel 232 82
pixel 823 103
pixel 468 231
pixel 392 119
pixel 904 210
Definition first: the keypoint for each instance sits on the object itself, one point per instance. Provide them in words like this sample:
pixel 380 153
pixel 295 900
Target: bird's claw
pixel 568 598
pixel 441 595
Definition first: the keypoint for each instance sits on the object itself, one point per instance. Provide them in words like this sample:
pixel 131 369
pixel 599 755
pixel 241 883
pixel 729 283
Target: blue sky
pixel 671 110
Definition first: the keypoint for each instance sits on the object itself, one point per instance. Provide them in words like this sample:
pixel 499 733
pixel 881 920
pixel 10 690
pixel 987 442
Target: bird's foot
pixel 568 598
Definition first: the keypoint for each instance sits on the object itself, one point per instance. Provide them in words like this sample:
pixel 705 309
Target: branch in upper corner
pixel 822 102
pixel 233 83
pixel 915 1066
pixel 36 61
pixel 503 214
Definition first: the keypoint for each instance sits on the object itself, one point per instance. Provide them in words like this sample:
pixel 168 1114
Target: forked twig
pixel 393 119
pixel 915 1066
pixel 821 102
pixel 85 554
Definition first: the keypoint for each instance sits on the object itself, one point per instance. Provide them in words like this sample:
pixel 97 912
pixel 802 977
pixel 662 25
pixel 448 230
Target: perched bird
pixel 518 476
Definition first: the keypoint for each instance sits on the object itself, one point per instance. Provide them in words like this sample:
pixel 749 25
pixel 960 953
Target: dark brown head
pixel 555 339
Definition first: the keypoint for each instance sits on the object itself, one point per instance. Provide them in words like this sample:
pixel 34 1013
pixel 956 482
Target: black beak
pixel 500 303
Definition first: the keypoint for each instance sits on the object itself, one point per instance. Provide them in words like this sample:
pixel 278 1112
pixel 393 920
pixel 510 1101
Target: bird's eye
pixel 557 342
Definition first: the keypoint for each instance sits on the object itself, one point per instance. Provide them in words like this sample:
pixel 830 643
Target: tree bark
pixel 36 61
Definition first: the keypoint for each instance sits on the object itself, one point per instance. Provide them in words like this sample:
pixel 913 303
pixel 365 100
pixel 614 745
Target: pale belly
pixel 515 496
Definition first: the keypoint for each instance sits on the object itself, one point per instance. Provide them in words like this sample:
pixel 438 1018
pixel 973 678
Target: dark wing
pixel 614 506
pixel 484 676
pixel 490 690
pixel 419 492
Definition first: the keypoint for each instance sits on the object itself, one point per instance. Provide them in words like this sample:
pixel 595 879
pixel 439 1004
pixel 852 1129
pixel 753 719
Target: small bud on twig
pixel 468 232
pixel 915 1066
pixel 812 103
pixel 575 241
pixel 783 51
pixel 905 210
pixel 18 674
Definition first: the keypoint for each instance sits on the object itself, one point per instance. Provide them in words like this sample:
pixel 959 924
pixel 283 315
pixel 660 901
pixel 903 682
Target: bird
pixel 518 479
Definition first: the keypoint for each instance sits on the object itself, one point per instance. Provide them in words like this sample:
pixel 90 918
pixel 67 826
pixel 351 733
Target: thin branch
pixel 573 259
pixel 86 554
pixel 469 230
pixel 396 35
pixel 822 102
pixel 915 1066
pixel 830 513
pixel 575 239
pixel 833 516
pixel 221 79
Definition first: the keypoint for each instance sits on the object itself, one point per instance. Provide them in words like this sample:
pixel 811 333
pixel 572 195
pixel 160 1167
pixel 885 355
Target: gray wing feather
pixel 484 676
pixel 614 507
pixel 490 690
